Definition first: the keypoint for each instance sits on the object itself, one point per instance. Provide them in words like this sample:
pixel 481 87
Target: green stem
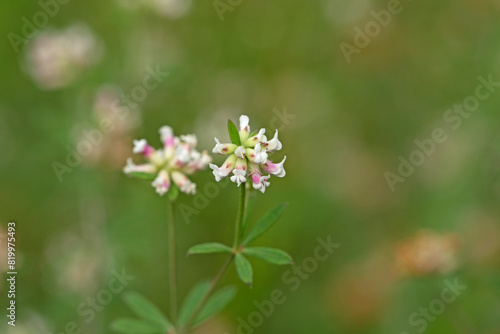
pixel 172 262
pixel 239 218
pixel 217 278
pixel 245 213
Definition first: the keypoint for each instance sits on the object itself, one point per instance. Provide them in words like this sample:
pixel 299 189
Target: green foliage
pixel 143 308
pixel 244 269
pixel 134 326
pixel 193 299
pixel 210 247
pixel 272 255
pixel 216 304
pixel 265 223
pixel 233 133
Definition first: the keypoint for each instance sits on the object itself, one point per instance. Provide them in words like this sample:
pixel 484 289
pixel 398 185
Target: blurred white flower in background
pixel 110 147
pixel 76 264
pixel 172 8
pixel 168 8
pixel 56 58
pixel 340 13
pixel 31 322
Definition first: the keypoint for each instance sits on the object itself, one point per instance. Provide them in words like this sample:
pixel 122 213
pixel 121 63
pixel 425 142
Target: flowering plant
pixel 247 155
pixel 247 161
pixel 177 158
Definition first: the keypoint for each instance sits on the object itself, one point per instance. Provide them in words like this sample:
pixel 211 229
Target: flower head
pixel 248 157
pixel 171 163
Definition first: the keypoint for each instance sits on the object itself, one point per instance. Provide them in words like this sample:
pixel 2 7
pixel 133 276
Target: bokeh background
pixel 347 125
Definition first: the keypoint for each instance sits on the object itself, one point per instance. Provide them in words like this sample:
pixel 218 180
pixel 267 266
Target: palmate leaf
pixel 210 247
pixel 216 303
pixel 233 133
pixel 244 269
pixel 134 326
pixel 271 255
pixel 265 223
pixel 147 311
pixel 193 299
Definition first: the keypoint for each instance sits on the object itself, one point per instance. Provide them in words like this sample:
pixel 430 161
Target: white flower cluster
pixel 250 158
pixel 177 159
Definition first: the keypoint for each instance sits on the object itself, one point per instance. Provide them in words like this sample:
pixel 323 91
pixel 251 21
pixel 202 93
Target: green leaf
pixel 233 133
pixel 193 299
pixel 134 326
pixel 173 192
pixel 265 223
pixel 272 255
pixel 253 134
pixel 216 303
pixel 142 175
pixel 210 247
pixel 146 310
pixel 248 211
pixel 244 269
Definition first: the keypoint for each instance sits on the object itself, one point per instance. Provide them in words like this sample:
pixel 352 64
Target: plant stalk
pixel 172 262
pixel 239 218
pixel 217 278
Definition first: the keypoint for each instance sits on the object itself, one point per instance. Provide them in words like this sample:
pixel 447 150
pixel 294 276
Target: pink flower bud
pixel 275 169
pixel 141 146
pixel 226 168
pixel 161 183
pixel 185 185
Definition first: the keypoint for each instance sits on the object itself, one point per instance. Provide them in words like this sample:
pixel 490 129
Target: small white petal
pixel 166 132
pixel 244 121
pixel 218 147
pixel 274 144
pixel 239 176
pixel 261 134
pixel 139 145
pixel 191 140
pixel 218 173
pixel 260 155
pixel 240 152
pixel 144 168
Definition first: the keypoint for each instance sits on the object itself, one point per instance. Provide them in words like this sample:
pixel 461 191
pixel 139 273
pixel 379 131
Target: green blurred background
pixel 348 124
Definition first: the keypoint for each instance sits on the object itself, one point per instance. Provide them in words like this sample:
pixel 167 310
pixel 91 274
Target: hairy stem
pixel 172 262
